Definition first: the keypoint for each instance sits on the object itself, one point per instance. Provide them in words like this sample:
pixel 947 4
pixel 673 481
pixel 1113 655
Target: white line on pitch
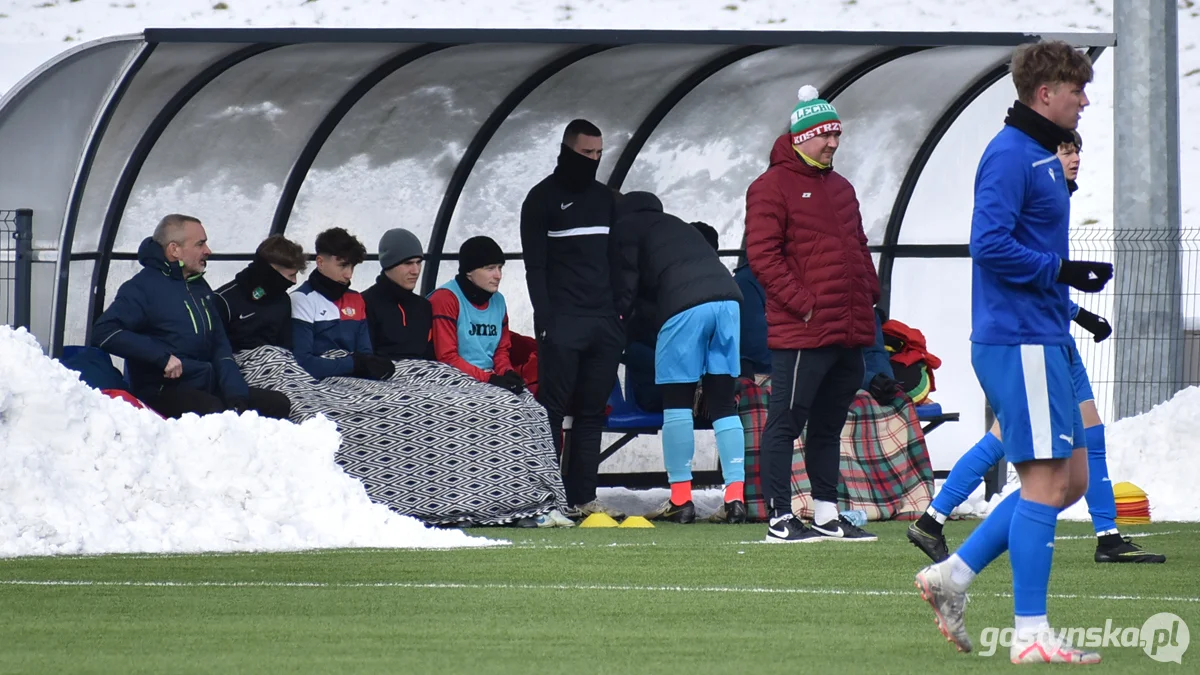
pixel 546 587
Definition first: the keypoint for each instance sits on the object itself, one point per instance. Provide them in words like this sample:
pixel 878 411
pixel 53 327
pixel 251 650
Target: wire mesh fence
pixel 16 227
pixel 1153 304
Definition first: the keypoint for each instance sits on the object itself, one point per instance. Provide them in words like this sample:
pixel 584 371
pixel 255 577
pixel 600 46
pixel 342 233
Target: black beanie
pixel 479 252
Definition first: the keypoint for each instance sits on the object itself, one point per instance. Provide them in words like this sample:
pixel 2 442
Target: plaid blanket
pixel 885 467
pixel 751 400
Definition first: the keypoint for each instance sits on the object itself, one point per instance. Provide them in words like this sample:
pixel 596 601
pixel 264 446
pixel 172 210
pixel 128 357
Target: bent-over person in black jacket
pixel 698 319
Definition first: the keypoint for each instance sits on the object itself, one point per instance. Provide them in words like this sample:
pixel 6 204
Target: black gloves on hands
pixel 510 381
pixel 373 367
pixel 884 390
pixel 1087 276
pixel 1095 324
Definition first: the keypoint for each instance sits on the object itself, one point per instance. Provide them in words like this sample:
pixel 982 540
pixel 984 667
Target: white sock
pixel 823 512
pixel 961 575
pixel 936 515
pixel 1107 532
pixel 1029 626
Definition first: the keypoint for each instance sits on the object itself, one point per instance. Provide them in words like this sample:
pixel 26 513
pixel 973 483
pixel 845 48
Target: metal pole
pixel 1148 330
pixel 23 277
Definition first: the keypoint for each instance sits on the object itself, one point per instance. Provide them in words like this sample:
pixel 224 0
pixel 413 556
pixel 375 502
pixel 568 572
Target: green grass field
pixel 680 599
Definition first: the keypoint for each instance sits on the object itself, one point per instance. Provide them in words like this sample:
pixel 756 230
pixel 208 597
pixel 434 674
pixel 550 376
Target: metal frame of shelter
pixel 729 48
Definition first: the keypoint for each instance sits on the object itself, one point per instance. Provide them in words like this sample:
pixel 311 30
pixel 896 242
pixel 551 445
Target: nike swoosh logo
pixel 830 533
pixel 246 316
pixel 778 533
pixel 566 206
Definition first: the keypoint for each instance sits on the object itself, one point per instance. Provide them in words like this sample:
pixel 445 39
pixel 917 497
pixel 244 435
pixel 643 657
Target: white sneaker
pixel 1047 647
pixel 948 604
pixel 554 519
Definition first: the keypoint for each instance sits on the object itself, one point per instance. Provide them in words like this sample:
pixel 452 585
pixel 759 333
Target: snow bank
pixel 81 473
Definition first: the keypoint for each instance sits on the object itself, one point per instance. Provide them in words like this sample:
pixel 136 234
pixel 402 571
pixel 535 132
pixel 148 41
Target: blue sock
pixel 679 444
pixel 967 474
pixel 1031 551
pixel 731 446
pixel 1100 500
pixel 990 539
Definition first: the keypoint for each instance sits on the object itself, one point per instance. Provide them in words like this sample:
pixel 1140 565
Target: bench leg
pixel 620 443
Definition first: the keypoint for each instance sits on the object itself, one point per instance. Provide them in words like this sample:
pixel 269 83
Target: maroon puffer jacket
pixel 806 246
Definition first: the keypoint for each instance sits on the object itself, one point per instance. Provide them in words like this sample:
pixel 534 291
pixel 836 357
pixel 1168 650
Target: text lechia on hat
pixel 812 116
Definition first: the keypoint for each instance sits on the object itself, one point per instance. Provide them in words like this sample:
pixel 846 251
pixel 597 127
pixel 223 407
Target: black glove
pixel 883 389
pixel 1087 276
pixel 1095 324
pixel 373 367
pixel 240 405
pixel 510 381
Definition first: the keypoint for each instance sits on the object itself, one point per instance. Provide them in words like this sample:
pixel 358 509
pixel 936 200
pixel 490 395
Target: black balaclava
pixel 261 281
pixel 576 171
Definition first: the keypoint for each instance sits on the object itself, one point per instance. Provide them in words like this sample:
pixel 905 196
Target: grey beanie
pixel 396 246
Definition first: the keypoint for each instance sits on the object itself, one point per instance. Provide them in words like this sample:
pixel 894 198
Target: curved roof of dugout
pixel 261 131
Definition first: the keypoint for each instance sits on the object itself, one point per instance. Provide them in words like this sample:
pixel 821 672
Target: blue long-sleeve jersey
pixel 1018 241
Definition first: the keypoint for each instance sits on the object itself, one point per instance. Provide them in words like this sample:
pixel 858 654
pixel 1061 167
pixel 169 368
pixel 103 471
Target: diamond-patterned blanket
pixel 432 442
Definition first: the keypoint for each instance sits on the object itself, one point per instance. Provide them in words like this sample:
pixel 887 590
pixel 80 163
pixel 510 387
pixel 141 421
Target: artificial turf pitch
pixel 676 599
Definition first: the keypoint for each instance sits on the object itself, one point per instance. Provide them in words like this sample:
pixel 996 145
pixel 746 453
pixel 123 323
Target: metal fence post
pixel 23 277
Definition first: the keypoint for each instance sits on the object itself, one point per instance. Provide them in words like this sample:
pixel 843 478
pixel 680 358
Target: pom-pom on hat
pixel 812 116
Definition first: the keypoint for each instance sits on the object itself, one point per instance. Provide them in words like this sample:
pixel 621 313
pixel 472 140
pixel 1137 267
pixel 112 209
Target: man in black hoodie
pixel 255 306
pixel 399 320
pixel 565 222
pixel 697 304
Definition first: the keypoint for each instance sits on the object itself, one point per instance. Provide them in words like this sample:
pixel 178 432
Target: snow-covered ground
pixel 81 473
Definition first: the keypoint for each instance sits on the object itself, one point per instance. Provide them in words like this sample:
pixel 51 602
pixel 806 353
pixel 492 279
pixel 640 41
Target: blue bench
pixel 630 421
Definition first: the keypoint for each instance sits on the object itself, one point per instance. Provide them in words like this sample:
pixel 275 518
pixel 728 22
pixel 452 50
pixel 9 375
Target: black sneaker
pixel 1120 549
pixel 730 512
pixel 788 529
pixel 931 544
pixel 842 530
pixel 676 513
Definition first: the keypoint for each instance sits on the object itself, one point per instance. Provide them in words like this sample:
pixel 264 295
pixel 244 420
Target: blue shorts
pixel 1033 393
pixel 1079 376
pixel 703 340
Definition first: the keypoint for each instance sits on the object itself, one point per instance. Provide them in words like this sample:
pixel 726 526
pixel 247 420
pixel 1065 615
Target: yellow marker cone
pixel 599 520
pixel 637 522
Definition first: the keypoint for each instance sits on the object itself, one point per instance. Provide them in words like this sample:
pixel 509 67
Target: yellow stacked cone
pixel 1133 505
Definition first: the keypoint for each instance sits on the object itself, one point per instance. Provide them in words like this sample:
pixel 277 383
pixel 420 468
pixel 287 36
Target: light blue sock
pixel 990 539
pixel 967 474
pixel 679 444
pixel 1031 551
pixel 731 446
pixel 1100 500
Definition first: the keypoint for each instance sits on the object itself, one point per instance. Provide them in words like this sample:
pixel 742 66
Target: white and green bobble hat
pixel 812 116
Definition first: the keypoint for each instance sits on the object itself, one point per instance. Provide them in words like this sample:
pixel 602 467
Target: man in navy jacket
pixel 165 325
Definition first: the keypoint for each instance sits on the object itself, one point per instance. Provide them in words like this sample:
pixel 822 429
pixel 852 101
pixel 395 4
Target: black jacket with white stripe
pixel 564 237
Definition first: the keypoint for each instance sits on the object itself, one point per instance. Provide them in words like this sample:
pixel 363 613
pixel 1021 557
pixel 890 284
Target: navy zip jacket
pixel 158 313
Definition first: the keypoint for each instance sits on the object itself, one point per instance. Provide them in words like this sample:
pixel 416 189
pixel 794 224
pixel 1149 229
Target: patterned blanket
pixel 885 466
pixel 432 442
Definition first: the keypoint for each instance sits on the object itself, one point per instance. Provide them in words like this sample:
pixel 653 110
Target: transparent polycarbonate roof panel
pixel 614 89
pixel 395 151
pixel 717 140
pixel 225 156
pixel 79 290
pixel 887 114
pixel 163 74
pixel 943 315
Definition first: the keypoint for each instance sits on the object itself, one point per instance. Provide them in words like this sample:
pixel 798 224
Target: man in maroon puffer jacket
pixel 805 243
